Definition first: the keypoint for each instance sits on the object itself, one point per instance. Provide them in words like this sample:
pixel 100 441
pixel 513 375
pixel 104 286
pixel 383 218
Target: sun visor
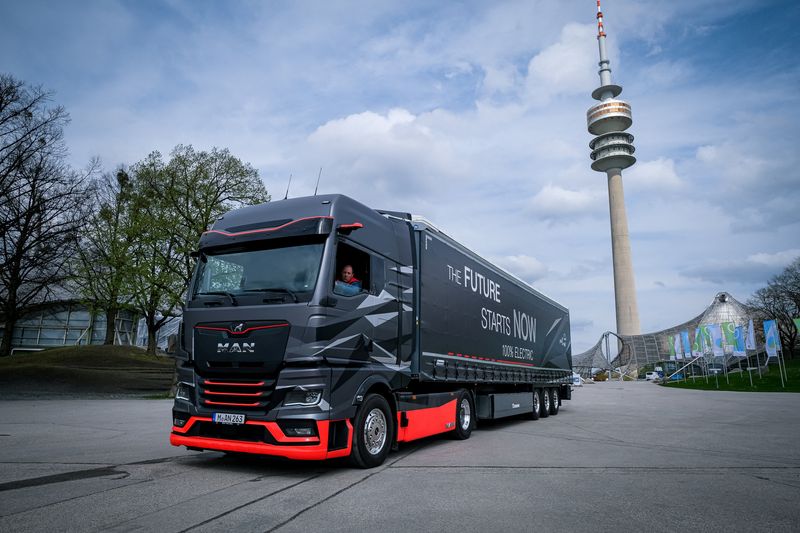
pixel 275 229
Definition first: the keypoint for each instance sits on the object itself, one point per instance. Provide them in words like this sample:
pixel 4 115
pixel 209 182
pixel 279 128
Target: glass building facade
pixel 69 324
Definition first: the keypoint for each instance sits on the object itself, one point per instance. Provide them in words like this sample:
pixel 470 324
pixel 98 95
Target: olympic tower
pixel 612 150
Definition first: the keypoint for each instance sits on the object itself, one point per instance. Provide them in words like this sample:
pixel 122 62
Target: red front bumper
pixel 308 448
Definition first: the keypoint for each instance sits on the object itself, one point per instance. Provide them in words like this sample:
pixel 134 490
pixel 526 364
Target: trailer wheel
pixel 373 432
pixel 537 405
pixel 554 401
pixel 544 398
pixel 465 416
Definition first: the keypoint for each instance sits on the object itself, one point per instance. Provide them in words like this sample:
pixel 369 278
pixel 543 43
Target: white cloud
pixel 758 267
pixel 525 267
pixel 656 175
pixel 554 202
pixel 384 155
pixel 568 66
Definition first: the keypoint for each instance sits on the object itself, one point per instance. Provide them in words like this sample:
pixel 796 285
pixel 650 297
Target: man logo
pixel 238 328
pixel 235 347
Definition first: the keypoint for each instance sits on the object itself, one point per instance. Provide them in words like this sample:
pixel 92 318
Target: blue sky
pixel 471 113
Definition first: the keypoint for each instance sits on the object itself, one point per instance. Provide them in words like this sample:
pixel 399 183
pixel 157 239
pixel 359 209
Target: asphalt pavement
pixel 618 457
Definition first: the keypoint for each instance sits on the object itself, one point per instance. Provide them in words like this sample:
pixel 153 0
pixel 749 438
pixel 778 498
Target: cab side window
pixel 352 271
pixel 378 277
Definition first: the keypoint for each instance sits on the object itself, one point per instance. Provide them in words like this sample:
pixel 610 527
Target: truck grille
pixel 241 394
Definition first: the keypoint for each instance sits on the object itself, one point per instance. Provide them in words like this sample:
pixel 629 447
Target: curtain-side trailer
pixel 278 355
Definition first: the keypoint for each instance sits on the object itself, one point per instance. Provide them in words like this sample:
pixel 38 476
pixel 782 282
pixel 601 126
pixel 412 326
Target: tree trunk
pixel 151 340
pixel 111 323
pixel 8 332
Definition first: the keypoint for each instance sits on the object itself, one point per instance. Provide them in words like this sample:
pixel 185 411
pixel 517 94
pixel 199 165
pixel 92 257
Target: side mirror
pixel 347 229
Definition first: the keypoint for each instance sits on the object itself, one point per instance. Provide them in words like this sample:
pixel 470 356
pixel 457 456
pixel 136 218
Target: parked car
pixel 576 380
pixel 651 376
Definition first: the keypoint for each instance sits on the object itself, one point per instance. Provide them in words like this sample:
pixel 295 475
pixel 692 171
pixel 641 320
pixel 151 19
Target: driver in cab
pixel 348 284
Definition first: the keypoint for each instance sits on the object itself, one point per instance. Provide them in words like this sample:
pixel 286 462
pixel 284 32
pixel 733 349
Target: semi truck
pixel 278 355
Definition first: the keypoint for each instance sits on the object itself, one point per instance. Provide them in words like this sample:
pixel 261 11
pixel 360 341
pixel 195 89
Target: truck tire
pixel 554 401
pixel 537 405
pixel 544 402
pixel 373 432
pixel 465 416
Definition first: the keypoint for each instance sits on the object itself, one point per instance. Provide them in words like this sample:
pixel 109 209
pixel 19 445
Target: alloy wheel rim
pixel 375 431
pixel 465 414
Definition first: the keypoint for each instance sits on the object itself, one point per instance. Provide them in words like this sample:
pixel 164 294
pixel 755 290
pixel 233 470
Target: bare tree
pixel 28 128
pixel 780 300
pixel 43 206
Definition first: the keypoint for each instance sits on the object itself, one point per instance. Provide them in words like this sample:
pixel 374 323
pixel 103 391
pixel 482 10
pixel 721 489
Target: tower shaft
pixel 624 284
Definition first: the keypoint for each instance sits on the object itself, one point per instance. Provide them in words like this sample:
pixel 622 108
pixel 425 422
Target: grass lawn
pixel 769 382
pixel 85 371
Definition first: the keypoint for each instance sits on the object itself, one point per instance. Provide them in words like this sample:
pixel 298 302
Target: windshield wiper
pixel 275 289
pixel 219 293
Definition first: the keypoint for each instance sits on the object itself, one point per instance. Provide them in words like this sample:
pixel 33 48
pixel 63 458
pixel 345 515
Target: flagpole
pixel 780 355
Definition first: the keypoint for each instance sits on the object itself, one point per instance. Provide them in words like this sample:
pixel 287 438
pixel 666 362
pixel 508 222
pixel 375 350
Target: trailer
pixel 279 355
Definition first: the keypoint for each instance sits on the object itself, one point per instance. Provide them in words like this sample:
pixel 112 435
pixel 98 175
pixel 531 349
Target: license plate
pixel 228 418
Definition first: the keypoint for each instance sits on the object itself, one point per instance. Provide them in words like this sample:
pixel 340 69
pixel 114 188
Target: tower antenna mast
pixel 287 187
pixel 318 177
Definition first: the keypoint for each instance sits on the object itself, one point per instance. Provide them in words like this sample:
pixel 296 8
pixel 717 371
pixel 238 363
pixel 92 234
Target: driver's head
pixel 347 273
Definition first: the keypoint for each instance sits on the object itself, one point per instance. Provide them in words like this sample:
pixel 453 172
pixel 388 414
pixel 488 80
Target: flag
pixel 697 346
pixel 671 345
pixel 687 347
pixel 751 336
pixel 677 347
pixel 716 339
pixel 738 347
pixel 729 336
pixel 708 341
pixel 797 324
pixel 771 336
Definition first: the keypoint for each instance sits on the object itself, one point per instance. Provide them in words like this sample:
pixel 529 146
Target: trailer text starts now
pixel 522 326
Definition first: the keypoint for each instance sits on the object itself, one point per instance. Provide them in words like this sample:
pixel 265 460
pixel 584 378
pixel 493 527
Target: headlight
pixel 301 396
pixel 184 392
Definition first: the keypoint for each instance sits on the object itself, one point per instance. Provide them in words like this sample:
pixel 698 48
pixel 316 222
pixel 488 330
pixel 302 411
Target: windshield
pixel 273 275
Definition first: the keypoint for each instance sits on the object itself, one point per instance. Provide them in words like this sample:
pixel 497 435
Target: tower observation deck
pixel 611 152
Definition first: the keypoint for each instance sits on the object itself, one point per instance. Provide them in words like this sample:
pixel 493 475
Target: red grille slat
pixel 250 394
pixel 232 404
pixel 232 384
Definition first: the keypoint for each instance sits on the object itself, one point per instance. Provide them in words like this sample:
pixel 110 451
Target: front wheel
pixel 373 432
pixel 465 416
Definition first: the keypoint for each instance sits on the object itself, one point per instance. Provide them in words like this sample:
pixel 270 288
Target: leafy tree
pixel 198 187
pixel 43 203
pixel 105 259
pixel 780 300
pixel 178 200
